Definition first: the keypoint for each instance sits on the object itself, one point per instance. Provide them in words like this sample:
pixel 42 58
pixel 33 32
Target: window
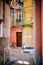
pixel 18 21
pixel 1 29
pixel 19 1
pixel 1 10
pixel 20 17
pixel 14 1
pixel 17 14
pixel 12 14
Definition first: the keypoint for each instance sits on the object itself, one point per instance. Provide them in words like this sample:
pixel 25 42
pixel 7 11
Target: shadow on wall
pixel 37 58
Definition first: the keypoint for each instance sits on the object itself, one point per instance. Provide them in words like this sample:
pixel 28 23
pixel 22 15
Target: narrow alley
pixel 21 32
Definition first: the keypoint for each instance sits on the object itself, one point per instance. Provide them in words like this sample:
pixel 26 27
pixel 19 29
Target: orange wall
pixel 13 34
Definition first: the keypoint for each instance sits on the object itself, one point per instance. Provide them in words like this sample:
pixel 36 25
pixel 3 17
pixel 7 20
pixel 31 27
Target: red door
pixel 19 39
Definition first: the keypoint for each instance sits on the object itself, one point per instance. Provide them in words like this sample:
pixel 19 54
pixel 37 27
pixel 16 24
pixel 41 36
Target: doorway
pixel 19 39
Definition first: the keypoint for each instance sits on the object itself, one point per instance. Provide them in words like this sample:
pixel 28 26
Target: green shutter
pixel 12 1
pixel 22 16
pixel 13 17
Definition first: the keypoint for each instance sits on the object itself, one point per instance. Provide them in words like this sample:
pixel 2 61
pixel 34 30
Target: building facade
pixel 38 28
pixel 28 23
pixel 21 16
pixel 38 31
pixel 16 23
pixel 4 26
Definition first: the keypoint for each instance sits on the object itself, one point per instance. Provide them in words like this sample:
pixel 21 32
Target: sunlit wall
pixel 28 19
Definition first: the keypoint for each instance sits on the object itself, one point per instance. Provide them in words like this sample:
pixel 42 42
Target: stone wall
pixel 3 43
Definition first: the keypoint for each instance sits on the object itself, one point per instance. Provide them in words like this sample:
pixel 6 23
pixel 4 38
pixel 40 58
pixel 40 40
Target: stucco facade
pixel 16 21
pixel 28 19
pixel 13 36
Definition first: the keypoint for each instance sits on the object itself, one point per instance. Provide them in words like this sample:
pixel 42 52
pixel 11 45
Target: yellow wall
pixel 28 18
pixel 28 11
pixel 28 36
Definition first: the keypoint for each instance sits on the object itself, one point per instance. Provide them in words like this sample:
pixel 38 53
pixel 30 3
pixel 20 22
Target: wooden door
pixel 19 39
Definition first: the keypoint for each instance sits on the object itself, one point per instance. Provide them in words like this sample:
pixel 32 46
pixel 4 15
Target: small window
pixel 1 29
pixel 12 14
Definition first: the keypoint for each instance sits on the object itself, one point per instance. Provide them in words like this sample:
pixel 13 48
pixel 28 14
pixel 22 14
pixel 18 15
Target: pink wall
pixel 42 26
pixel 37 26
pixel 37 32
pixel 13 34
pixel 6 24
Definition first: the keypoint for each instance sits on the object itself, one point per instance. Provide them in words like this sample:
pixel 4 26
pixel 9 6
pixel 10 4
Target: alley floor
pixel 17 57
